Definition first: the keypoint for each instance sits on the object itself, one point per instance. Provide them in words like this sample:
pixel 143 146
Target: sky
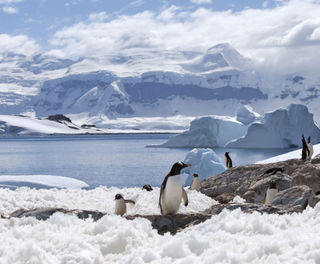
pixel 273 31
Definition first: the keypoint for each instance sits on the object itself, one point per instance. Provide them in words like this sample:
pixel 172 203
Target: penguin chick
pixel 310 147
pixel 227 160
pixel 172 192
pixel 271 193
pixel 147 187
pixel 120 206
pixel 195 185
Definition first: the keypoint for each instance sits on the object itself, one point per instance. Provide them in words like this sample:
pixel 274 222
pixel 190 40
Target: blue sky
pixel 39 19
pixel 277 32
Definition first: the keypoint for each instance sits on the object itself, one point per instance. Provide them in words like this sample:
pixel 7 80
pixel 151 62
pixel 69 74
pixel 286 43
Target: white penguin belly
pixel 310 147
pixel 195 184
pixel 172 196
pixel 120 207
pixel 271 193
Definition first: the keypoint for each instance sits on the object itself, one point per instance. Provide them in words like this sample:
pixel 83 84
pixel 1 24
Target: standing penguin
pixel 195 185
pixel 271 193
pixel 171 191
pixel 310 147
pixel 227 160
pixel 121 207
pixel 305 150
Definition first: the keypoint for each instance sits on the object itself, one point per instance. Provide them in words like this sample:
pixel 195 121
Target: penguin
pixel 273 171
pixel 171 191
pixel 147 187
pixel 305 150
pixel 271 193
pixel 227 160
pixel 195 185
pixel 121 207
pixel 310 147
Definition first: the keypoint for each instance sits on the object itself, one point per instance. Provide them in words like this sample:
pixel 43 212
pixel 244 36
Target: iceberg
pixel 246 115
pixel 281 128
pixel 208 131
pixel 205 162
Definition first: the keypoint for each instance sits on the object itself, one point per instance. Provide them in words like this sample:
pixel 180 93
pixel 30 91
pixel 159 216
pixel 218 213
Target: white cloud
pixel 10 10
pixel 201 1
pixel 99 17
pixel 17 44
pixel 10 1
pixel 272 34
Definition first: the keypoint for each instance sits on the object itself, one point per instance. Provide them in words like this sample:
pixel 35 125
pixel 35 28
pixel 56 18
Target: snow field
pixel 100 199
pixel 230 237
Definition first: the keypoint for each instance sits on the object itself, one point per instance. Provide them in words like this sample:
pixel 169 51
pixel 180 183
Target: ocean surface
pixel 107 160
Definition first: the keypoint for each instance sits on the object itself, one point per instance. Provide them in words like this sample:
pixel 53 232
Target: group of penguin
pixel 172 191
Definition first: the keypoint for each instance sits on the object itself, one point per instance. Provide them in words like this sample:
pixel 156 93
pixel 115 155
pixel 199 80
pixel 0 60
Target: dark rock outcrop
pixel 59 118
pixel 251 182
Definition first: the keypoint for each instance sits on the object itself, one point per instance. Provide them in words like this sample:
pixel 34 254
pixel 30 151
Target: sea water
pixel 108 160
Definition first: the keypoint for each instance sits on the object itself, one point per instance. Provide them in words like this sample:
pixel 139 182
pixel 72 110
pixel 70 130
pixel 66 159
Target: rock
pixel 225 197
pixel 251 181
pixel 297 197
pixel 59 118
pixel 308 174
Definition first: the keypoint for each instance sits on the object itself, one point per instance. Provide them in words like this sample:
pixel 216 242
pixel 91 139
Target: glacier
pixel 281 128
pixel 149 83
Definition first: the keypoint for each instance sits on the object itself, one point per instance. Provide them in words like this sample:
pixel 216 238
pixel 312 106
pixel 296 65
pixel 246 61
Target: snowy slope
pixel 148 84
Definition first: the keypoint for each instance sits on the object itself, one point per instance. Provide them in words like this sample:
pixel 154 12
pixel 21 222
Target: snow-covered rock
pixel 281 128
pixel 208 131
pixel 246 115
pixel 204 162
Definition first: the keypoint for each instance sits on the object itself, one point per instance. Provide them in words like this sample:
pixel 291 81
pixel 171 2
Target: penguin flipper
pixel 130 201
pixel 185 197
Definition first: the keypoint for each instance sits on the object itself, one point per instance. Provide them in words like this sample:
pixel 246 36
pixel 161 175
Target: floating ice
pixel 204 162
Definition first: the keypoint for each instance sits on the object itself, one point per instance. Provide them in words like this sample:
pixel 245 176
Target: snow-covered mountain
pixel 147 84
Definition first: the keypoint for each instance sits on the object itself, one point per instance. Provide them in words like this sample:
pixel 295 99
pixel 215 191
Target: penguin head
pixel 118 197
pixel 147 187
pixel 226 154
pixel 195 175
pixel 177 167
pixel 273 185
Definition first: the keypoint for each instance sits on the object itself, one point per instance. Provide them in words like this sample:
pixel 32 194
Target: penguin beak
pixel 187 165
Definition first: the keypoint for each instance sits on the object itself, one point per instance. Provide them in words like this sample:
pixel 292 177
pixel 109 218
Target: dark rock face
pixel 59 118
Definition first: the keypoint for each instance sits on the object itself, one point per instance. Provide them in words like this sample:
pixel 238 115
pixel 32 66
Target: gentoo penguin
pixel 120 207
pixel 271 193
pixel 310 147
pixel 147 187
pixel 305 150
pixel 195 185
pixel 227 160
pixel 273 171
pixel 171 191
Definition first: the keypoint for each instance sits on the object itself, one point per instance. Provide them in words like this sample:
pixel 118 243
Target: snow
pixel 296 154
pixel 230 237
pixel 28 125
pixel 208 131
pixel 204 162
pixel 281 128
pixel 100 199
pixel 43 180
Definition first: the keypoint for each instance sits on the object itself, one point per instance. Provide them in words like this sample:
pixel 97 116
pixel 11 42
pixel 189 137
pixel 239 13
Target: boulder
pixel 295 197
